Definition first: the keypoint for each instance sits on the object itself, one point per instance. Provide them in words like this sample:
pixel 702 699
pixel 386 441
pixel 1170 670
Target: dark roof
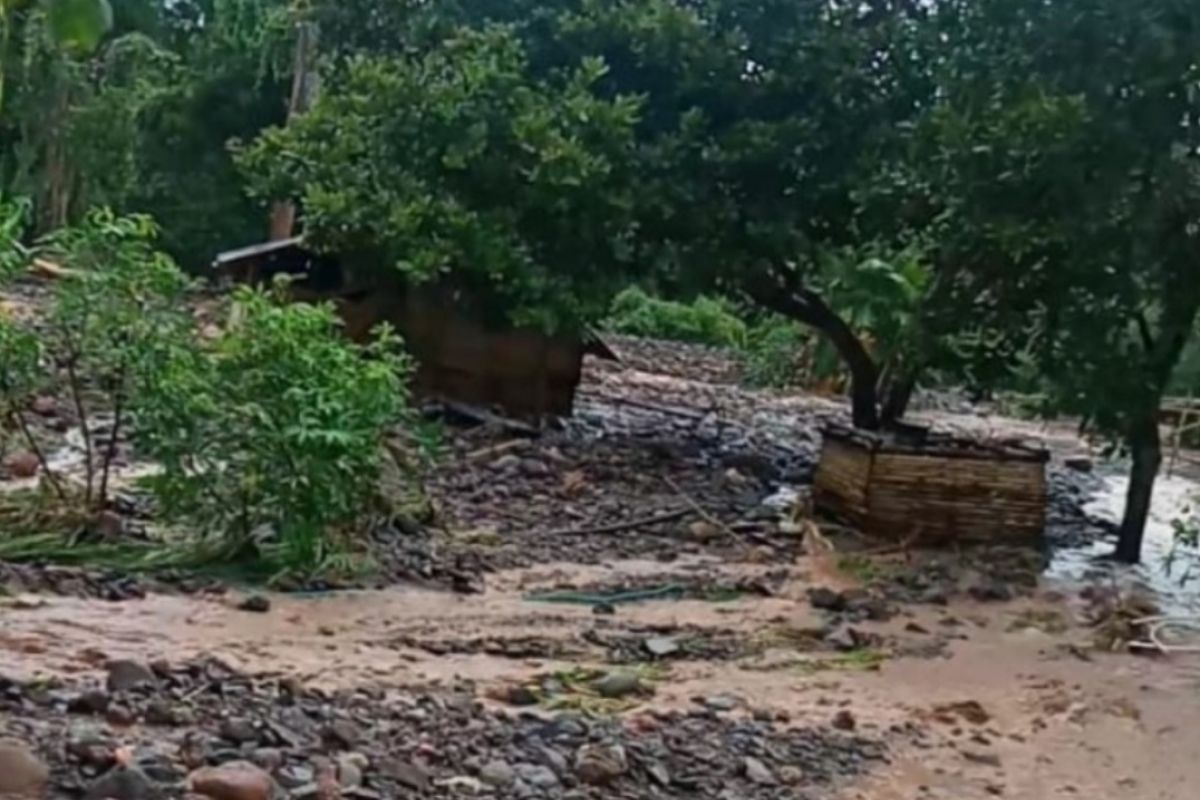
pixel 254 251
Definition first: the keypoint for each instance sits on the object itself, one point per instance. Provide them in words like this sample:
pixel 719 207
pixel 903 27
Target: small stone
pixel 92 701
pixel 343 733
pixel 1079 464
pixel 661 646
pixel 553 759
pixel 618 684
pixel 236 780
pixel 844 720
pixel 295 775
pixel 826 599
pixel 350 770
pixel 659 773
pixel 123 782
pixel 90 746
pixel 721 702
pixel 414 776
pixel 46 406
pixel 255 603
pixel 125 675
pixel 842 639
pixel 22 774
pixel 990 590
pixel 160 712
pixel 268 758
pixel 22 464
pixel 120 716
pixel 604 609
pixel 536 775
pixel 239 730
pixel 757 772
pixel 498 774
pixel 108 524
pixel 987 759
pixel 600 764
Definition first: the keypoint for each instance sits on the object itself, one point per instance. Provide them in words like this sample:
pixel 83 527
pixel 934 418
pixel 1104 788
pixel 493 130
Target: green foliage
pixel 13 219
pixel 78 25
pixel 271 436
pixel 778 353
pixel 706 320
pixel 114 316
pixel 460 160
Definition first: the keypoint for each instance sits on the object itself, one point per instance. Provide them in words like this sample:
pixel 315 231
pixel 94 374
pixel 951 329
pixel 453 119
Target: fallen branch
pixel 485 417
pixel 703 514
pixel 628 525
pixel 48 269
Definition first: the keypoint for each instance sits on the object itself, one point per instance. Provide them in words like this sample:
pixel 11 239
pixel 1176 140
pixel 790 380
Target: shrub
pixel 114 316
pixel 706 320
pixel 271 436
pixel 778 353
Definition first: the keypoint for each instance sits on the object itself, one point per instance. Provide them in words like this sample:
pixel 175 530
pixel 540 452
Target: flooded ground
pixel 672 659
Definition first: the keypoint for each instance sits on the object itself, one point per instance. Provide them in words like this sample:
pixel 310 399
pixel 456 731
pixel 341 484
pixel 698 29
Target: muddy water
pixel 1175 500
pixel 1057 726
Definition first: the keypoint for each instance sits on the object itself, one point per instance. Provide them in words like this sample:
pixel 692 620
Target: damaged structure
pixel 460 356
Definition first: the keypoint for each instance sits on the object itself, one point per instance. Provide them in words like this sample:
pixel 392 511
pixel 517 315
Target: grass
pixel 578 694
pixel 863 660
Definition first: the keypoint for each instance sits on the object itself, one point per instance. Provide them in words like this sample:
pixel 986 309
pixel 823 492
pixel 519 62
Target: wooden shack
pixel 460 356
pixel 932 487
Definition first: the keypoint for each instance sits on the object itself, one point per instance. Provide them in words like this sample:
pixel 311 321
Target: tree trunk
pixel 807 307
pixel 1146 450
pixel 897 394
pixel 305 84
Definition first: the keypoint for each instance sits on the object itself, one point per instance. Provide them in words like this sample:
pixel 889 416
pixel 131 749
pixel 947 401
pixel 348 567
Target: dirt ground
pixel 707 655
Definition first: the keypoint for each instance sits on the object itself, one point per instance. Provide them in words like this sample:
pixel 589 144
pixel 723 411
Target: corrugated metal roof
pixel 241 254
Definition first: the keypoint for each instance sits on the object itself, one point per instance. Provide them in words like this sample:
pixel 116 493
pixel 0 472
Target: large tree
pixel 755 125
pixel 1061 170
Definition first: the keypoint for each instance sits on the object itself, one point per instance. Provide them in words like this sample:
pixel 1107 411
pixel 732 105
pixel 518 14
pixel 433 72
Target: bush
pixel 114 317
pixel 778 353
pixel 706 320
pixel 271 436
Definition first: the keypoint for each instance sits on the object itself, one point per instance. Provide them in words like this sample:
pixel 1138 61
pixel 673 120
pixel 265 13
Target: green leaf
pixel 78 26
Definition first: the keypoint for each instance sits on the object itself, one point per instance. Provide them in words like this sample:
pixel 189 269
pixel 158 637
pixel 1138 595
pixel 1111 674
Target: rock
pixel 600 764
pixel 350 770
pixel 91 746
pixel 826 599
pixel 935 596
pixel 618 683
pixel 108 524
pixel 255 603
pixel 295 775
pixel 22 464
pixel 120 716
pixel 343 733
pixel 22 774
pixel 971 711
pixel 498 774
pixel 704 531
pixel 553 759
pixel 412 775
pixel 757 772
pixel 536 775
pixel 989 590
pixel 661 646
pixel 604 609
pixel 842 639
pixel 46 406
pixel 659 773
pixel 1079 464
pixel 987 759
pixel 721 702
pixel 844 721
pixel 239 730
pixel 123 782
pixel 160 712
pixel 237 780
pixel 92 701
pixel 268 758
pixel 125 675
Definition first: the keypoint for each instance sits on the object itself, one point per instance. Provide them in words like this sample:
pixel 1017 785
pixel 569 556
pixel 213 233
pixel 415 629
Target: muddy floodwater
pixel 545 654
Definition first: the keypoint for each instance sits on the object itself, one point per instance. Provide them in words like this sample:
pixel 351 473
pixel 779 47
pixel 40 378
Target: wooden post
pixel 305 85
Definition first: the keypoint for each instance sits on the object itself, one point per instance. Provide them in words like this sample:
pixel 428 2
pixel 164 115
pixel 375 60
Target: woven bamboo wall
pixel 938 495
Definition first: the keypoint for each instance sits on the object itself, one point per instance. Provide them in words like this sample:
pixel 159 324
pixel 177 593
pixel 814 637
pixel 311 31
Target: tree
pixel 1062 171
pixel 755 125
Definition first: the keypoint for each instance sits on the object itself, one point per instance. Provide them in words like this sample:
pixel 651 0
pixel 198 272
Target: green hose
pixel 671 591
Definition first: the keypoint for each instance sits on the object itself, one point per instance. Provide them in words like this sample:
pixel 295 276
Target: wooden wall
pixel 932 496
